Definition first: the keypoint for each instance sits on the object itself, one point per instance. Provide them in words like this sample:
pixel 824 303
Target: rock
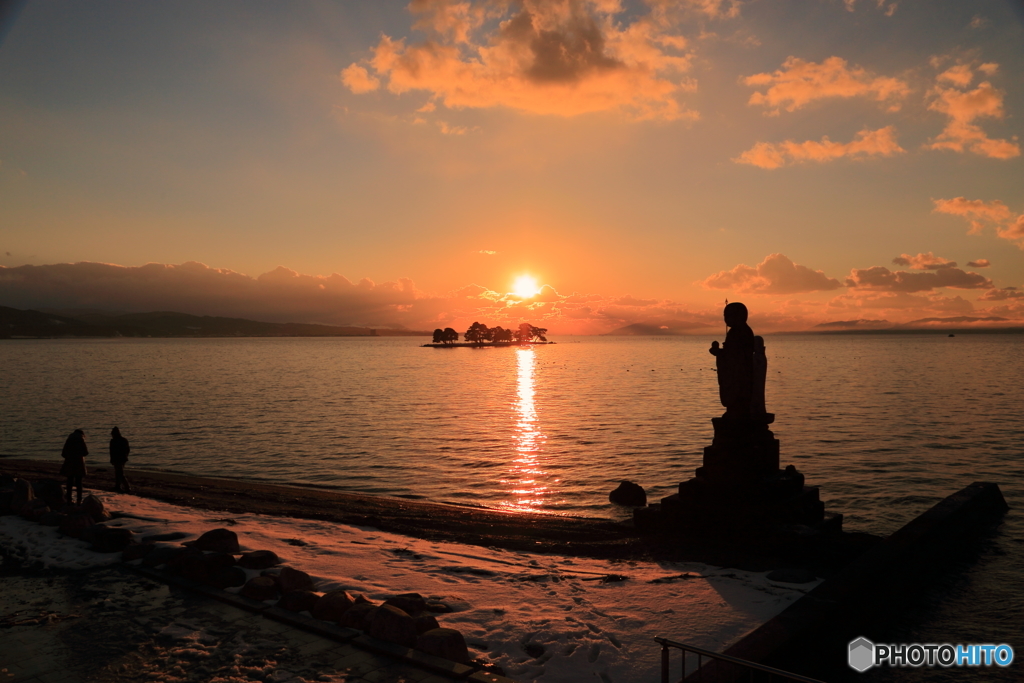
pixel 293 580
pixel 34 509
pixel 226 577
pixel 393 625
pixel 363 598
pixel 410 603
pixel 630 494
pixel 426 622
pixel 260 588
pixel 220 560
pixel 191 564
pixel 93 506
pixel 438 607
pixel 167 537
pixel 5 501
pixel 259 559
pixel 53 518
pixel 21 496
pixel 358 616
pixel 298 601
pixel 217 540
pixel 75 524
pixel 161 555
pixel 332 605
pixel 446 643
pixel 790 576
pixel 135 552
pixel 110 540
pixel 49 490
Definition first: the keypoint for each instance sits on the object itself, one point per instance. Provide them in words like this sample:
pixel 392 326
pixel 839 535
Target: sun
pixel 526 287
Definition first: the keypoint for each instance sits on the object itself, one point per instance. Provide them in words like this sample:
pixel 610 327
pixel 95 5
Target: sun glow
pixel 526 287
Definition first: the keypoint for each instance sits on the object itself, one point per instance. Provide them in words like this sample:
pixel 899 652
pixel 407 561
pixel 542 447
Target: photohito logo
pixel 863 654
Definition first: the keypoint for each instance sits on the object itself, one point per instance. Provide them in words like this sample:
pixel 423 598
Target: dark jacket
pixel 119 450
pixel 74 453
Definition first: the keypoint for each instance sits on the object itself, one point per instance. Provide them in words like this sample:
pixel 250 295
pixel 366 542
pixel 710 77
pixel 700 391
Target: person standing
pixel 74 453
pixel 119 450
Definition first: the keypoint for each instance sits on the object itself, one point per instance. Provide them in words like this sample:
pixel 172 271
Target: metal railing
pixel 751 667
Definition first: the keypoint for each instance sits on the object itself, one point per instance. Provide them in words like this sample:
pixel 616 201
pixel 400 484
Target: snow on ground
pixel 580 619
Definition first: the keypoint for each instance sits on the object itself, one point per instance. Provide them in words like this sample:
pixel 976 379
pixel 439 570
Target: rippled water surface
pixel 887 425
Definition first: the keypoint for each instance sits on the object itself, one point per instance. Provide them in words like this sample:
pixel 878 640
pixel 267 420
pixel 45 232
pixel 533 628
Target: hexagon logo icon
pixel 862 654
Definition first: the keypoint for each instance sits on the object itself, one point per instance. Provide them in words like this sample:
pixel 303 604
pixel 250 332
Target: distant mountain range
pixel 963 324
pixel 16 323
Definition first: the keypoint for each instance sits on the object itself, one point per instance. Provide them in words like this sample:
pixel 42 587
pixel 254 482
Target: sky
pixel 398 164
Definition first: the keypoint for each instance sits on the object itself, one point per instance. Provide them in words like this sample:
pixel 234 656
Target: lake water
pixel 886 424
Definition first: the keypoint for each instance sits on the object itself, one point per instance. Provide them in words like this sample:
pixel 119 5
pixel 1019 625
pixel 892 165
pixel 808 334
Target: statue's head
pixel 735 314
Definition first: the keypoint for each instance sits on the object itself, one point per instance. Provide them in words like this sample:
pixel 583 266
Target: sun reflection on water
pixel 525 482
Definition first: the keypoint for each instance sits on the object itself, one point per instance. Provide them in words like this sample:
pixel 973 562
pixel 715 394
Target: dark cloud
pixel 882 279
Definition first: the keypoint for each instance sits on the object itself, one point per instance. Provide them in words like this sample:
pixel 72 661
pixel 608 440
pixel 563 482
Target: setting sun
pixel 526 287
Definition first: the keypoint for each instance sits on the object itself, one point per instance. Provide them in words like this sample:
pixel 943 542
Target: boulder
pixel 52 518
pixel 75 524
pixel 161 555
pixel 790 576
pixel 332 605
pixel 226 577
pixel 259 559
pixel 438 607
pixel 93 506
pixel 110 540
pixel 629 494
pixel 220 560
pixel 410 603
pixel 34 509
pixel 298 601
pixel 426 622
pixel 49 490
pixel 22 495
pixel 135 552
pixel 217 540
pixel 5 501
pixel 260 588
pixel 446 643
pixel 358 616
pixel 190 564
pixel 294 580
pixel 393 625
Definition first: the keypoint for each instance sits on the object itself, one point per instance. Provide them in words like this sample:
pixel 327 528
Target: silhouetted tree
pixel 438 336
pixel 527 333
pixel 450 336
pixel 500 334
pixel 538 333
pixel 478 333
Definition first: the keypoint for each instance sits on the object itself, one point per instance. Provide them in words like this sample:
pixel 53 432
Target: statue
pixel 742 367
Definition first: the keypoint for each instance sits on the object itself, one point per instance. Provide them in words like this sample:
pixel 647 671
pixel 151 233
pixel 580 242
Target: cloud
pixel 358 79
pixel 799 83
pixel 867 143
pixel 979 263
pixel 552 57
pixel 487 252
pixel 902 304
pixel 927 261
pixel 1008 225
pixel 1004 294
pixel 775 275
pixel 880 278
pixel 963 107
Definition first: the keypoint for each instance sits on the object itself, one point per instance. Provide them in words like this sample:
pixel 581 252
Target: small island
pixel 480 336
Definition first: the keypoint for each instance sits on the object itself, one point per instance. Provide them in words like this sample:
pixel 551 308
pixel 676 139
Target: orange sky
pixel 401 164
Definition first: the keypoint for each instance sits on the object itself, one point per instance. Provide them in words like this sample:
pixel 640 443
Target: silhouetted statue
pixel 74 453
pixel 742 366
pixel 119 450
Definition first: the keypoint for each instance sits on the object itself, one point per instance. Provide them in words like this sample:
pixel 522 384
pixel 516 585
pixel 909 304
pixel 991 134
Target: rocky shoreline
pixel 577 536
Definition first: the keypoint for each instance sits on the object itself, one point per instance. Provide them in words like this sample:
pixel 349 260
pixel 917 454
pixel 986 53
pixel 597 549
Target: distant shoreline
pixel 484 345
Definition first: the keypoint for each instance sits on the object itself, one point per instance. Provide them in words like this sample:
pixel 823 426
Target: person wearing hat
pixel 74 453
pixel 119 450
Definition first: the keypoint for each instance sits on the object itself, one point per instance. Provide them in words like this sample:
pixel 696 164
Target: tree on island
pixel 445 336
pixel 478 333
pixel 528 332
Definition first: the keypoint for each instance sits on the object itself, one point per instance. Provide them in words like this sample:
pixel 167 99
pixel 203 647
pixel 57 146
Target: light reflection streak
pixel 525 481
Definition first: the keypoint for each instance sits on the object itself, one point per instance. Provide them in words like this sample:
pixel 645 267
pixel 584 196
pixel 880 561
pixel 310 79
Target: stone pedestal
pixel 741 490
